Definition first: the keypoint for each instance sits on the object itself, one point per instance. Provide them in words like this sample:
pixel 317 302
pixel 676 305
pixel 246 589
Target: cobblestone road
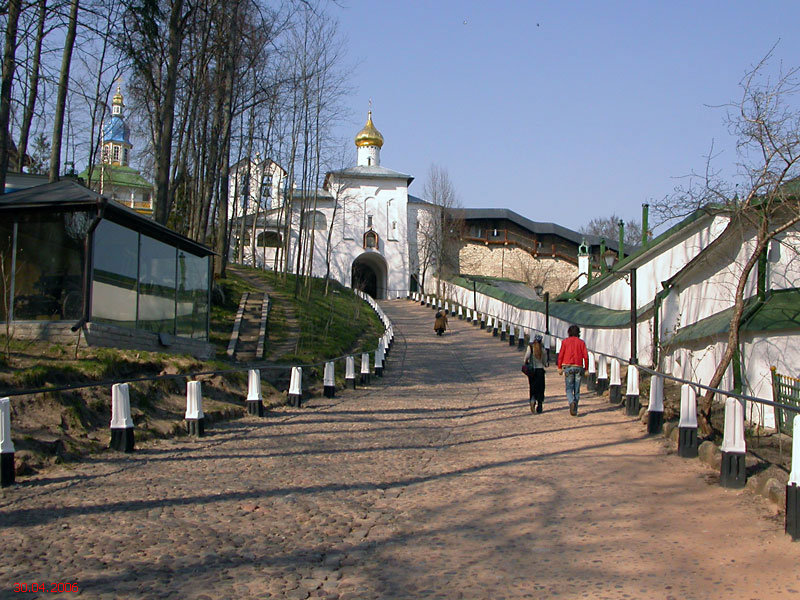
pixel 436 482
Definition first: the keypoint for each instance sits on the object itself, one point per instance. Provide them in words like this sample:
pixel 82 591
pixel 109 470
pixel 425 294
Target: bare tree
pixel 608 228
pixel 764 202
pixel 440 227
pixel 63 86
pixel 9 52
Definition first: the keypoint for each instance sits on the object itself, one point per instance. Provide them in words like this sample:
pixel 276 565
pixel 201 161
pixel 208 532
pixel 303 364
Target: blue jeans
pixel 573 376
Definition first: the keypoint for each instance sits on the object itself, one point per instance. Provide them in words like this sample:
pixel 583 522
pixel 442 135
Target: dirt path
pixel 435 482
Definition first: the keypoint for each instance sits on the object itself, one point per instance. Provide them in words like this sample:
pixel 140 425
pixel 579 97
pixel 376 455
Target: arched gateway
pixel 369 274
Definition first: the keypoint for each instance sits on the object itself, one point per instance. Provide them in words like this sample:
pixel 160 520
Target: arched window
pixel 317 221
pixel 268 239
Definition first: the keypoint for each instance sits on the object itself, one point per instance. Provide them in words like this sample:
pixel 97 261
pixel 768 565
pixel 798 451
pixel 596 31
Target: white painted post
pixel 7 472
pixel 121 422
pixel 687 426
pixel 195 418
pixel 350 372
pixel 512 337
pixel 793 485
pixel 329 380
pixel 632 392
pixel 732 472
pixel 615 383
pixel 503 329
pixel 602 374
pixel 495 326
pixel 521 338
pixel 254 405
pixel 364 368
pixel 655 409
pixel 460 312
pixel 296 387
pixel 379 362
pixel 591 383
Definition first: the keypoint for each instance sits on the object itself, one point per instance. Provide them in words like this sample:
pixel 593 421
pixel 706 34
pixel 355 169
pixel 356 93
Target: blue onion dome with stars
pixel 115 128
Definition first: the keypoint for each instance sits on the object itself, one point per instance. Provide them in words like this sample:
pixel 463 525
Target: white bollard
pixel 195 418
pixel 512 335
pixel 632 392
pixel 350 372
pixel 121 422
pixel 732 472
pixel 460 313
pixel 687 426
pixel 591 382
pixel 379 362
pixel 615 383
pixel 793 485
pixel 503 329
pixel 475 318
pixel 495 326
pixel 6 444
pixel 329 380
pixel 521 338
pixel 602 374
pixel 364 368
pixel 296 387
pixel 254 405
pixel 655 409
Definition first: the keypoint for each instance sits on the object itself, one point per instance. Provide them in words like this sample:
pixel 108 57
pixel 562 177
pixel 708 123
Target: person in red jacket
pixel 573 362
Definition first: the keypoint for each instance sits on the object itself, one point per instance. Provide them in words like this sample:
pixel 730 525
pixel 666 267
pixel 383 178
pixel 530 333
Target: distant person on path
pixel 440 324
pixel 573 362
pixel 535 359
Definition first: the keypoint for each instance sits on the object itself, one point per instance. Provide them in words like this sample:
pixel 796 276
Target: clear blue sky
pixel 561 111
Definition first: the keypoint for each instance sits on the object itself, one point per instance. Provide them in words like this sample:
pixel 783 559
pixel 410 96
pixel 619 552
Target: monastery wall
pixel 553 274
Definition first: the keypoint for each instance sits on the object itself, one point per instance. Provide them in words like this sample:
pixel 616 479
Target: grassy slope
pixel 62 425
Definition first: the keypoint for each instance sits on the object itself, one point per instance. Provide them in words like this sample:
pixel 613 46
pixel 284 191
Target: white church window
pixel 347 218
pixel 317 221
pixel 125 155
pixel 369 221
pixel 393 231
pixel 115 154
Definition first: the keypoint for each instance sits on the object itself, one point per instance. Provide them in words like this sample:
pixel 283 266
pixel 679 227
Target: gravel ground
pixel 435 481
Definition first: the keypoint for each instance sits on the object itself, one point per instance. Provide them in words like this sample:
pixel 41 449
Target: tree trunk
pixel 33 85
pixel 9 57
pixel 163 202
pixel 63 85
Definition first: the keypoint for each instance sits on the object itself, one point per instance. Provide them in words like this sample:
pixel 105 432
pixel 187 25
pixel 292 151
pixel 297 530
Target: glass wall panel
pixel 156 286
pixel 6 239
pixel 192 310
pixel 115 257
pixel 50 252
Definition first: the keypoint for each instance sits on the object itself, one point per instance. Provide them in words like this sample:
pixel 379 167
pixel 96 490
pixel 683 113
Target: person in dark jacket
pixel 440 324
pixel 573 362
pixel 536 361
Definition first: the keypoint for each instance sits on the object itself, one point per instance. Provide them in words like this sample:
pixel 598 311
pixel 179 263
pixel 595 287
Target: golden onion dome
pixel 369 136
pixel 117 99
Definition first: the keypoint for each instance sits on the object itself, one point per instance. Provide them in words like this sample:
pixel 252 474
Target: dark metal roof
pixel 539 228
pixel 373 171
pixel 70 195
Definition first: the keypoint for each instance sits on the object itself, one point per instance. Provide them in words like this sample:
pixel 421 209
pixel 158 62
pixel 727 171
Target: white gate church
pixel 370 217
